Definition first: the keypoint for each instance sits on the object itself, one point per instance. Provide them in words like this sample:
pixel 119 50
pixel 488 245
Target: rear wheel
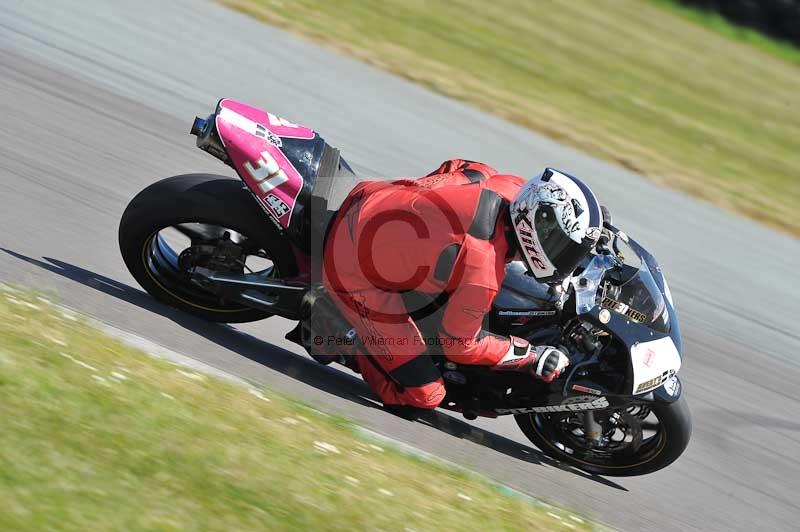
pixel 200 220
pixel 635 440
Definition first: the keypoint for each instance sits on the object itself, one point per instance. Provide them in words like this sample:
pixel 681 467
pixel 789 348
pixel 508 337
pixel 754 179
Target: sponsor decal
pixel 584 404
pixel 276 205
pixel 270 215
pixel 532 313
pixel 586 389
pixel 646 385
pixel 649 358
pixel 271 137
pixel 655 382
pixel 672 386
pixel 525 233
pixel 274 139
pixel 622 308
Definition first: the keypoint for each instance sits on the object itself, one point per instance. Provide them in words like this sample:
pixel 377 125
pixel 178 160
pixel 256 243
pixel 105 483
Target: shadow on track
pixel 296 366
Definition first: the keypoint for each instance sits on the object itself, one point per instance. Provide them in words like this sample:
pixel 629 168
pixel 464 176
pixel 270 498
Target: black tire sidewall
pixel 204 198
pixel 675 419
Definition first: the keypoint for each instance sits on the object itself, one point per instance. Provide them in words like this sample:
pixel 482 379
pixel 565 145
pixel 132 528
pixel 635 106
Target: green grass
pixel 626 80
pixel 716 22
pixel 97 436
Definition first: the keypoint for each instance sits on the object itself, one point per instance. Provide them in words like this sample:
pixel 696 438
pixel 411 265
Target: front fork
pixel 591 428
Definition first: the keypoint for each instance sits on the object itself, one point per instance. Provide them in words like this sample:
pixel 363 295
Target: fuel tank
pixel 523 302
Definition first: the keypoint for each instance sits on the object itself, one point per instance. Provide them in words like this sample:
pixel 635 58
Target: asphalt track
pixel 95 102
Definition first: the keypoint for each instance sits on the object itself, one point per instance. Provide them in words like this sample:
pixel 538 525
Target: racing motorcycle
pixel 235 251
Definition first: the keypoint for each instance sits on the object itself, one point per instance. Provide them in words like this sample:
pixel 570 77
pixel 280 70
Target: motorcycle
pixel 228 252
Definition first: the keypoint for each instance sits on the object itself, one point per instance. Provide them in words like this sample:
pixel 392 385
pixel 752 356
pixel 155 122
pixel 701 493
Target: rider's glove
pixel 543 362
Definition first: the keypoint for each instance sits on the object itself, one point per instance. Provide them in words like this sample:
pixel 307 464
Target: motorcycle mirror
pixel 608 220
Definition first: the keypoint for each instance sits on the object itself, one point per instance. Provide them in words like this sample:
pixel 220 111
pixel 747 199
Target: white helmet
pixel 557 220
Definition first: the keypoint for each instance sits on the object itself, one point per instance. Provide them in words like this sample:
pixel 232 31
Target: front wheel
pixel 200 220
pixel 635 440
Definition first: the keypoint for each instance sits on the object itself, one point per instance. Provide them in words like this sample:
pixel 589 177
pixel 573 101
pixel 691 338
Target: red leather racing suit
pixel 445 233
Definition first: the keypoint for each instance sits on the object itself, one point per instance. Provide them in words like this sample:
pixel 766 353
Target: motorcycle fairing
pixel 650 354
pixel 653 363
pixel 669 355
pixel 252 138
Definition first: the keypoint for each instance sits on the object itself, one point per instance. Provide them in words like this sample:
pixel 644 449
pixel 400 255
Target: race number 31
pixel 266 172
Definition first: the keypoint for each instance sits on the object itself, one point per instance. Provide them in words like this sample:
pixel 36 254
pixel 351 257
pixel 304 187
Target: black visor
pixel 564 253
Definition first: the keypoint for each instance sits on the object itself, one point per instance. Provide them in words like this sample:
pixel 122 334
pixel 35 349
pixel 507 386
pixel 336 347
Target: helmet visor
pixel 564 253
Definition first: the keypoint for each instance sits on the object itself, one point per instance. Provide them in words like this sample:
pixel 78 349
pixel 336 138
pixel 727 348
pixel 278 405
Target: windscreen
pixel 639 299
pixel 623 284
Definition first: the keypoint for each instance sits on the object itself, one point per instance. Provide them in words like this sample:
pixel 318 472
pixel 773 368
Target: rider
pixel 450 234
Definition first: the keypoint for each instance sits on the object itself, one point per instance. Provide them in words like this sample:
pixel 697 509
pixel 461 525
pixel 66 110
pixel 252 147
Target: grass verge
pixel 716 22
pixel 627 80
pixel 95 435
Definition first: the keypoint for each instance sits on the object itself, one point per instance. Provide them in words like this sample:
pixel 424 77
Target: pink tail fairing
pixel 252 138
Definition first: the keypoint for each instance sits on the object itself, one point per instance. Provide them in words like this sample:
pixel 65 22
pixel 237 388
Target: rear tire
pixel 198 198
pixel 676 422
